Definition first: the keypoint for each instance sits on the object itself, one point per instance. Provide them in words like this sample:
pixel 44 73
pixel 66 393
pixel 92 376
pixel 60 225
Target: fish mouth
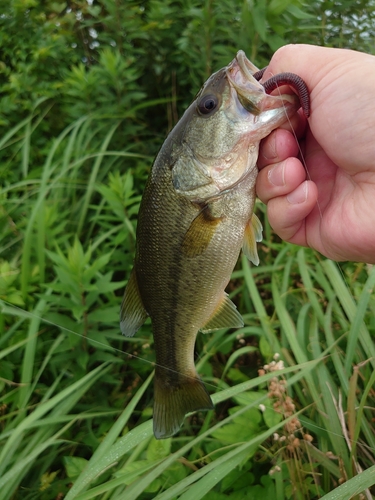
pixel 248 114
pixel 251 93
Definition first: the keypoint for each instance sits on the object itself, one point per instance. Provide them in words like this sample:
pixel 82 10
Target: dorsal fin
pixel 253 234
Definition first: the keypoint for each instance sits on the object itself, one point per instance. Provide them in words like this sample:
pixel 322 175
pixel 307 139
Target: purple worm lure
pixel 291 79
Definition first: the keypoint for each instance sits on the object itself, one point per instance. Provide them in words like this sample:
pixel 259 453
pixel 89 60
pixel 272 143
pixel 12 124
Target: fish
pixel 195 216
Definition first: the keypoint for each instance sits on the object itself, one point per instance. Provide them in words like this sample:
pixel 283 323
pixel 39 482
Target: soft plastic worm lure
pixel 291 79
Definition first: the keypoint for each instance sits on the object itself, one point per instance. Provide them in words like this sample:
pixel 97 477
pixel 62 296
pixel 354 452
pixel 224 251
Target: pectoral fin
pixel 253 234
pixel 200 233
pixel 133 314
pixel 225 316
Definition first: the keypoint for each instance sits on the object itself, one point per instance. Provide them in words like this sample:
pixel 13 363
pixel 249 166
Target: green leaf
pixel 271 417
pixel 74 466
pixel 158 449
pixel 353 487
pixel 259 19
pixel 265 349
pixel 276 7
pixel 298 13
pixel 242 428
pixel 233 357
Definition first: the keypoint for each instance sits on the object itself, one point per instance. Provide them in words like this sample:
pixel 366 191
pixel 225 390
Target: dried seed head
pixel 308 437
pixel 274 470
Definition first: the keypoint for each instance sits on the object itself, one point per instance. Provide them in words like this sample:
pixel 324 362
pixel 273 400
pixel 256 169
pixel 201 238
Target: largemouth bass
pixel 196 214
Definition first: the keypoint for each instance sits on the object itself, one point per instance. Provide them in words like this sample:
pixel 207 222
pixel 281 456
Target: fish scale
pixel 196 214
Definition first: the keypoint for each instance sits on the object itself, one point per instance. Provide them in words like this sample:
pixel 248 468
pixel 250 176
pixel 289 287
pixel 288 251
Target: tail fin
pixel 173 401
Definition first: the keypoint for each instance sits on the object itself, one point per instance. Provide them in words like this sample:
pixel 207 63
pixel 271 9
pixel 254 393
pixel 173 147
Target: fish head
pixel 221 131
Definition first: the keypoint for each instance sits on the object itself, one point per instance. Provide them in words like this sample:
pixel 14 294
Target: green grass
pixel 76 397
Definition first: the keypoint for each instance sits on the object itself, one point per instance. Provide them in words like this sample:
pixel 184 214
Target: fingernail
pixel 276 175
pixel 299 195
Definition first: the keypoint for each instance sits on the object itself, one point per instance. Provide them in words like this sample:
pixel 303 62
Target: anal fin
pixel 133 313
pixel 226 315
pixel 253 234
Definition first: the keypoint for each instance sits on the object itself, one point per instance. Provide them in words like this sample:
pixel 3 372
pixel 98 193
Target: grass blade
pixel 357 322
pixel 259 307
pixel 91 471
pixel 353 487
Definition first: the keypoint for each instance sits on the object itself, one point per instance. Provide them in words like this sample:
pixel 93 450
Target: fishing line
pixel 30 315
pixel 154 364
pixel 303 161
pixel 364 445
pixel 109 347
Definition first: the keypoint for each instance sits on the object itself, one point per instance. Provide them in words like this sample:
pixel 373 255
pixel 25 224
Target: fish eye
pixel 207 104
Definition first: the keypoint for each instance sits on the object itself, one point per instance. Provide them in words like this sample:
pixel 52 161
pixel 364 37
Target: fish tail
pixel 173 400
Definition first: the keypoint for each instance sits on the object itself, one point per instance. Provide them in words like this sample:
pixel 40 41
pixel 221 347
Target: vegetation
pixel 89 91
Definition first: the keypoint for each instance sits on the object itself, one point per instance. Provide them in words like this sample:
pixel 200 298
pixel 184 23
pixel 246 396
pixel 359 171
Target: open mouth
pixel 240 74
pixel 247 67
pixel 250 92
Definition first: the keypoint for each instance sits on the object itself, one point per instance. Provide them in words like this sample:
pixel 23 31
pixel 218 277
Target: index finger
pixel 278 146
pixel 283 141
pixel 307 61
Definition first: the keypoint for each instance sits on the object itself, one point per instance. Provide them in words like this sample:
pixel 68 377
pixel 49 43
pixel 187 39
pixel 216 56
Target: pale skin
pixel 331 206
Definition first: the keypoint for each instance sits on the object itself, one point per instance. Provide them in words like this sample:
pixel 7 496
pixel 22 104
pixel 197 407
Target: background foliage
pixel 89 91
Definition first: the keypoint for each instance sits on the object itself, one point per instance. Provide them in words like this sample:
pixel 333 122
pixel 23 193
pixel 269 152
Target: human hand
pixel 333 211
